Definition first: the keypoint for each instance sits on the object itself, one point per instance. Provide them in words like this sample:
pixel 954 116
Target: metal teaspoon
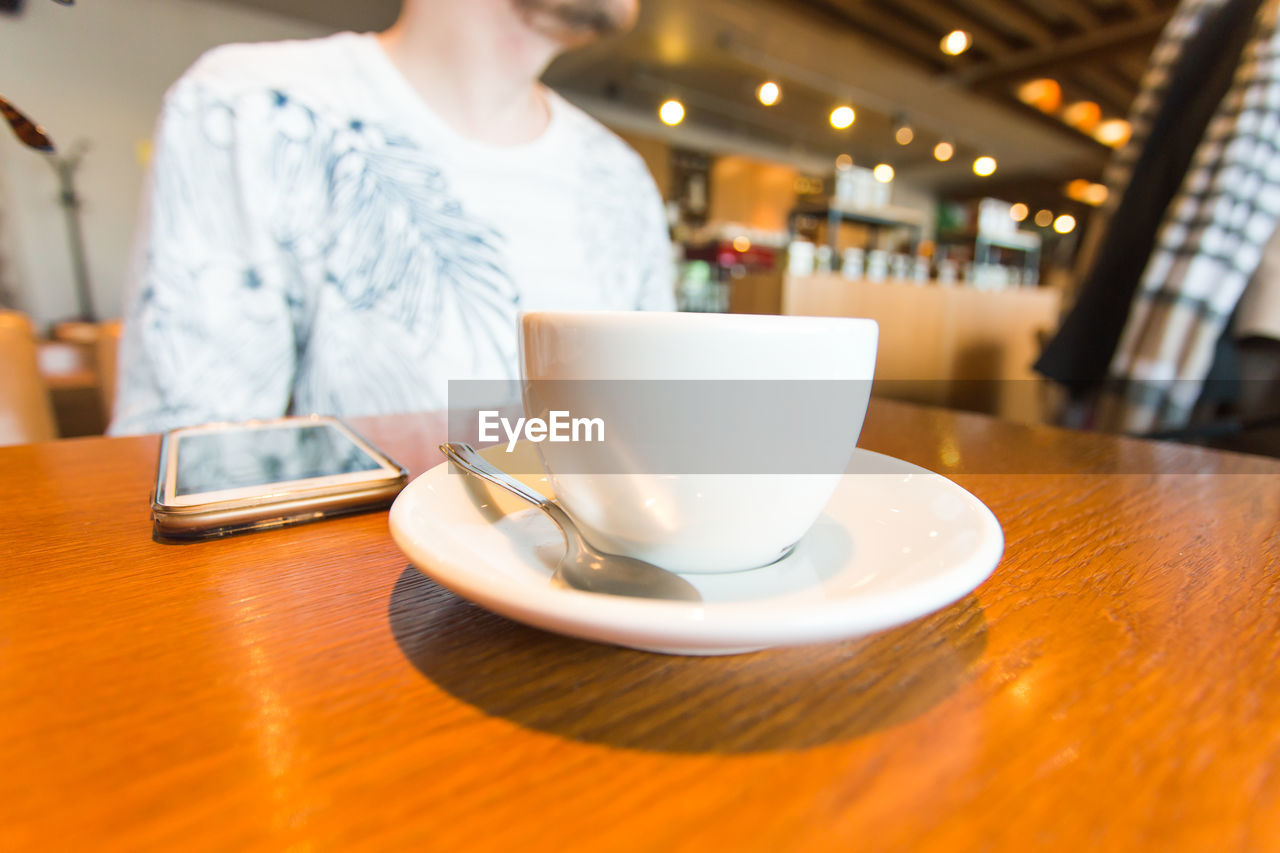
pixel 582 567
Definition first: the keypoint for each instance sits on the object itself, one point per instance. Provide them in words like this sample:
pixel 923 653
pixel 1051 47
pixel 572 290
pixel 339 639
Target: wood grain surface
pixel 1115 685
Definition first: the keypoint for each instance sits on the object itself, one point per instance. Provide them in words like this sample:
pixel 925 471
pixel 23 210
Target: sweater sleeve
pixel 208 334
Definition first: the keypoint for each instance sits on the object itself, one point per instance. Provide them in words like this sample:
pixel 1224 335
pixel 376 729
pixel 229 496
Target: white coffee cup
pixel 724 435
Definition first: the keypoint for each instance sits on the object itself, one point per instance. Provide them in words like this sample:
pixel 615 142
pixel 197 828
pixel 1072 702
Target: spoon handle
pixel 583 567
pixel 466 458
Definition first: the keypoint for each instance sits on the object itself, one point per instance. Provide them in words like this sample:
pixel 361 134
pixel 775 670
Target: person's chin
pixel 573 23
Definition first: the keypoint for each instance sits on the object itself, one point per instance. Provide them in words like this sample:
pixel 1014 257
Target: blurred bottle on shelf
pixel 851 263
pixel 877 265
pixel 801 255
pixel 823 257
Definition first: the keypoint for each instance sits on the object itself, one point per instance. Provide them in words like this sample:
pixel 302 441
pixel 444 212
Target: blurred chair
pixel 76 332
pixel 26 413
pixel 71 364
pixel 108 346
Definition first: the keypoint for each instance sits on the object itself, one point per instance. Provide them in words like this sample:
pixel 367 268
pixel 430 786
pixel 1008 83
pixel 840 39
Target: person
pixel 343 225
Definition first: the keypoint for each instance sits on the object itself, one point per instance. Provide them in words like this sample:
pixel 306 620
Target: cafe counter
pixel 956 346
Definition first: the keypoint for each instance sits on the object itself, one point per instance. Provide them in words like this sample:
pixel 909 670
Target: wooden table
pixel 1114 685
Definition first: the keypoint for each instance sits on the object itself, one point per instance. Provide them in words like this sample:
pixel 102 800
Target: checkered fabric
pixel 1212 235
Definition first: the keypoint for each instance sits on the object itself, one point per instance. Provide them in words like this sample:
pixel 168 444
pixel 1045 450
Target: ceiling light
pixel 769 93
pixel 1064 224
pixel 842 117
pixel 984 166
pixel 1044 218
pixel 1076 189
pixel 955 42
pixel 904 134
pixel 1044 94
pixel 883 173
pixel 1018 212
pixel 1113 132
pixel 1083 116
pixel 943 151
pixel 741 243
pixel 1086 191
pixel 671 112
pixel 844 162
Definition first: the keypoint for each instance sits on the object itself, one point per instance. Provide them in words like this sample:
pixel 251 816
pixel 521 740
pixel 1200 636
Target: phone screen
pixel 213 461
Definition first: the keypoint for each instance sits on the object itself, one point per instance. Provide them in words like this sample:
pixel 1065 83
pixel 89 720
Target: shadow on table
pixel 777 699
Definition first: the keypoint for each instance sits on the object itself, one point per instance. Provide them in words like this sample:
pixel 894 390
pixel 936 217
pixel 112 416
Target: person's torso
pixel 407 251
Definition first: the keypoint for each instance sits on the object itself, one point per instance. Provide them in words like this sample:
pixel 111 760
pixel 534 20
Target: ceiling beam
pixel 1068 51
pixel 1013 16
pixel 1111 93
pixel 944 18
pixel 1133 65
pixel 1080 14
pixel 866 20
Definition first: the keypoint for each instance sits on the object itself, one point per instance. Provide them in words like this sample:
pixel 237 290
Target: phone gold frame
pixel 225 511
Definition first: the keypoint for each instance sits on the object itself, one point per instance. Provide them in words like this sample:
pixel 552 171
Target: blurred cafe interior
pixel 950 169
pixel 1035 607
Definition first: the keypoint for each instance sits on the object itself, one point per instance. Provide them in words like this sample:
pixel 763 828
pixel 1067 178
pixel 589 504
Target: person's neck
pixel 476 65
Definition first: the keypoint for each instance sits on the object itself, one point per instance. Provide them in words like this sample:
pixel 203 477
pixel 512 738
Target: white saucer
pixel 891 546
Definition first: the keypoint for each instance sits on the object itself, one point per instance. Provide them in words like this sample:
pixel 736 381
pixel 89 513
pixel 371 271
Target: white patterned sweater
pixel 317 240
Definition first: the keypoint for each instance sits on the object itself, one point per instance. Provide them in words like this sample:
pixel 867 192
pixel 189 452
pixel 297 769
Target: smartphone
pixel 218 479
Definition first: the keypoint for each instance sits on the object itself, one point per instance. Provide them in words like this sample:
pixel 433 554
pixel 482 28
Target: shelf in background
pixel 1023 240
pixel 888 216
